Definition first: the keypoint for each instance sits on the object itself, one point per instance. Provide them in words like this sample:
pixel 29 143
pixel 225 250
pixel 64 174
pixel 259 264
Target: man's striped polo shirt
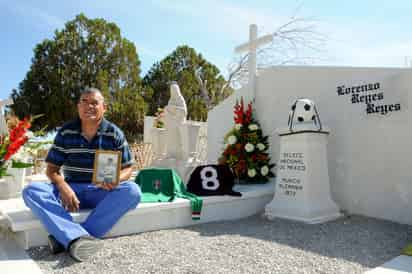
pixel 75 153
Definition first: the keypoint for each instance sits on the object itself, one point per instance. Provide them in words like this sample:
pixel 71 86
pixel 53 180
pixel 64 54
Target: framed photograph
pixel 106 166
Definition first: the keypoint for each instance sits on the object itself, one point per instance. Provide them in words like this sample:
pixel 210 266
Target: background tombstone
pixel 3 124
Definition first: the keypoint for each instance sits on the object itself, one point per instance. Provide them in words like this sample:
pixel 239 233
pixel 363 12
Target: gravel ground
pixel 251 245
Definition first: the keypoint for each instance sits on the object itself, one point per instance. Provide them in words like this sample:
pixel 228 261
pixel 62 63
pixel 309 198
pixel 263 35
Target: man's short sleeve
pixel 57 154
pixel 123 146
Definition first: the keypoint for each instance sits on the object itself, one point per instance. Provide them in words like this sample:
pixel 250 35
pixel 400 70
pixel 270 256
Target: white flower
pixel 231 140
pixel 253 127
pixel 21 155
pixel 264 170
pixel 29 134
pixel 249 147
pixel 238 126
pixel 260 146
pixel 251 172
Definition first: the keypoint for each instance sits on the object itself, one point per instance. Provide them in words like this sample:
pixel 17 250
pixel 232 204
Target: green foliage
pixel 181 66
pixel 85 53
pixel 158 120
pixel 127 110
pixel 16 164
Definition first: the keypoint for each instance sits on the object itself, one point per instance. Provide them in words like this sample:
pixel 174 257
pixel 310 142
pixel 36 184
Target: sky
pixel 366 33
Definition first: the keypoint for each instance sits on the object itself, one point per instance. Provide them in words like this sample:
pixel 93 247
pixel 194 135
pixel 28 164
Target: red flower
pixel 239 112
pixel 262 157
pixel 15 146
pixel 248 114
pixel 16 139
pixel 241 166
pixel 242 117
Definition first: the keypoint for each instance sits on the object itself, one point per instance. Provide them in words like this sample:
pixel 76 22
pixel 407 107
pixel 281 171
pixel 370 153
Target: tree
pixel 86 53
pixel 128 110
pixel 185 66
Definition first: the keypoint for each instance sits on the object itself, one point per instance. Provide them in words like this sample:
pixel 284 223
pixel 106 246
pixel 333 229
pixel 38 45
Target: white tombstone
pixel 3 124
pixel 302 185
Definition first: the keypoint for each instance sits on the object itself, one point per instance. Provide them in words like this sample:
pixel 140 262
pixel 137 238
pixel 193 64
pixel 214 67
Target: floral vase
pixel 12 184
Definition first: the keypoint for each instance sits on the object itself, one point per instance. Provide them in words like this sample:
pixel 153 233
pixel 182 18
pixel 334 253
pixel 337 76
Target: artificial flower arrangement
pixel 12 142
pixel 246 148
pixel 158 120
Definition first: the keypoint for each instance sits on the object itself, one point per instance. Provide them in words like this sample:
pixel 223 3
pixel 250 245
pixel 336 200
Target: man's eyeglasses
pixel 94 103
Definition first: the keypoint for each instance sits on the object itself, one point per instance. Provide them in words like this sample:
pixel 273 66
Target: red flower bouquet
pixel 11 143
pixel 246 148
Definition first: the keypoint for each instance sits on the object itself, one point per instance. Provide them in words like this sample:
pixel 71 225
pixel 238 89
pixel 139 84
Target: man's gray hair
pixel 89 90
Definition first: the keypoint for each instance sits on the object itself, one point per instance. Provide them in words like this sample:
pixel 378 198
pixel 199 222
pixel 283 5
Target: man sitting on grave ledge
pixel 74 149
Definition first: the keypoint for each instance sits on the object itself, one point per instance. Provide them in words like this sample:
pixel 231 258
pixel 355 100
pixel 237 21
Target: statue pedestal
pixel 184 165
pixel 159 141
pixel 302 190
pixel 192 139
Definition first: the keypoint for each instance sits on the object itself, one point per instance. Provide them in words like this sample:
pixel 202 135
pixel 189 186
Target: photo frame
pixel 106 167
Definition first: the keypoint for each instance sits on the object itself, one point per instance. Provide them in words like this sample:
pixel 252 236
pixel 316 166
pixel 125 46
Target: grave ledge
pixel 29 232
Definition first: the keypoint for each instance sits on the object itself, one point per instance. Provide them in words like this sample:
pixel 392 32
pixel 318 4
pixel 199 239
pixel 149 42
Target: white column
pixel 302 185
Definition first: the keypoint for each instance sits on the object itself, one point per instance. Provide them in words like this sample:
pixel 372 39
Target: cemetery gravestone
pixel 302 186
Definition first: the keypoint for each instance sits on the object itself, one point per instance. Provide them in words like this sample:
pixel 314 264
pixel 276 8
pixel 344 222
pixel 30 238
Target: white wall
pixel 369 155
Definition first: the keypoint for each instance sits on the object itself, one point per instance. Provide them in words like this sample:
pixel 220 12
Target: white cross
pixel 251 47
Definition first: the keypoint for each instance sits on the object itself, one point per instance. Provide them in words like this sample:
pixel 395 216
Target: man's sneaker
pixel 83 248
pixel 54 245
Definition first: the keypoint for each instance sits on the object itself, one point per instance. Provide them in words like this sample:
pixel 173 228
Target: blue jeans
pixel 107 208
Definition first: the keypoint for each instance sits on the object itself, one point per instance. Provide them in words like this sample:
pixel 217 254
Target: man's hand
pixel 68 197
pixel 125 174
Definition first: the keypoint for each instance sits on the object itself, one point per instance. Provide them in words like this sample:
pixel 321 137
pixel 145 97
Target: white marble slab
pixel 399 265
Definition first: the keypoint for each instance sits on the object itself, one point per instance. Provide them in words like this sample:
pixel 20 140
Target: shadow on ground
pixel 58 261
pixel 250 245
pixel 367 241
